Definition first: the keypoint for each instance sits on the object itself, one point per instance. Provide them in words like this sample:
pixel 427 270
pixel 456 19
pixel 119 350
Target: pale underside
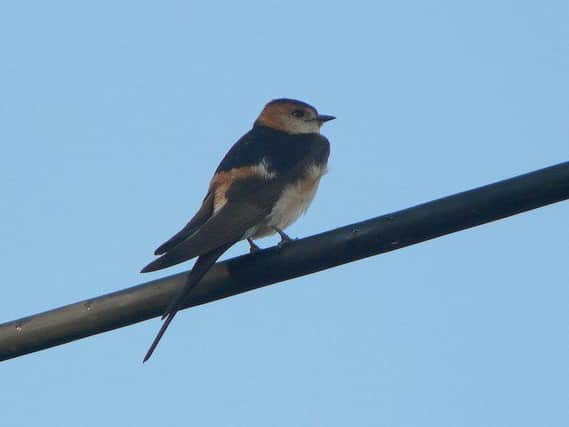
pixel 293 202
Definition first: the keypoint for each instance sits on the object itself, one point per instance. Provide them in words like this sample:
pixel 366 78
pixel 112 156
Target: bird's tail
pixel 201 267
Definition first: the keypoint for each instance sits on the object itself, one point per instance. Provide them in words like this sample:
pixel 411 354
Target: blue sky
pixel 113 116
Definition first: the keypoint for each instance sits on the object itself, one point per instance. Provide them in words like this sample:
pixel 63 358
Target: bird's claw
pixel 284 242
pixel 285 238
pixel 253 248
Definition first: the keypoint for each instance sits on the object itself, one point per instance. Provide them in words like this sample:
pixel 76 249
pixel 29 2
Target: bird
pixel 264 183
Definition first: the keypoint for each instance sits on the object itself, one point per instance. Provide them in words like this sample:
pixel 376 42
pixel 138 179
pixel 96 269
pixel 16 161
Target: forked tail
pixel 201 267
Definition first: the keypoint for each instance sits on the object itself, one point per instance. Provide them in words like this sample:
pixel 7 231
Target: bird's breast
pixel 294 200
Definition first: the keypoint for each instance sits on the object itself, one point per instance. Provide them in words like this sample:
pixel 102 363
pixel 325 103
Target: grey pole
pixel 346 244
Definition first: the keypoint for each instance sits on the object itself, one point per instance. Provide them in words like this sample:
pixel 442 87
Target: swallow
pixel 265 182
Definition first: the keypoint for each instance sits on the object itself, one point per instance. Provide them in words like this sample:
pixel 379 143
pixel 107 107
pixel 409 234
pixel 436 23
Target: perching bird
pixel 262 185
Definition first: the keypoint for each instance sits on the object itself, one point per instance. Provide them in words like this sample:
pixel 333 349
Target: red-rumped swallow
pixel 263 184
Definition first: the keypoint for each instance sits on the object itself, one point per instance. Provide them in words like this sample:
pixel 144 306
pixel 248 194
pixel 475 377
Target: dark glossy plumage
pixel 266 180
pixel 284 154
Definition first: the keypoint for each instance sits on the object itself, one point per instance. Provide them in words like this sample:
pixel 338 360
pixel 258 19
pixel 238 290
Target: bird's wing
pixel 248 202
pixel 246 151
pixel 201 216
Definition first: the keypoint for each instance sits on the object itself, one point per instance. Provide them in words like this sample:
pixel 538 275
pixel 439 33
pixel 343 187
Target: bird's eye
pixel 298 113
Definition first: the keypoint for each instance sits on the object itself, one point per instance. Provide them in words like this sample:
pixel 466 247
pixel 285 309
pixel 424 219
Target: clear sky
pixel 113 116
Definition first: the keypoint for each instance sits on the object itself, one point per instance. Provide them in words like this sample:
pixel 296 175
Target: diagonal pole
pixel 332 248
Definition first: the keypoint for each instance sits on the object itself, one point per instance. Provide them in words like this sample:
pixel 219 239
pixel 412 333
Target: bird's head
pixel 292 116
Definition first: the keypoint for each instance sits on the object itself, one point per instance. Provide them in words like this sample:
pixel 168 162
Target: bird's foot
pixel 253 247
pixel 285 238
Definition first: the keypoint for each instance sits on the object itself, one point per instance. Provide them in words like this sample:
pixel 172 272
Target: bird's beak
pixel 324 118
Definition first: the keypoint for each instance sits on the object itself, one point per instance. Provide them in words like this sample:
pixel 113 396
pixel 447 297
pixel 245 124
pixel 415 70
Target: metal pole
pixel 346 244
